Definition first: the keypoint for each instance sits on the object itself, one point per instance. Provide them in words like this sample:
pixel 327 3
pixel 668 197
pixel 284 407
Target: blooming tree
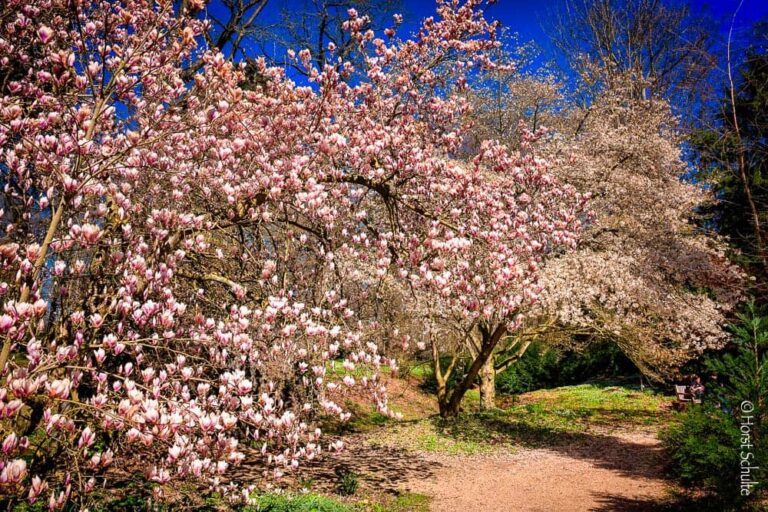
pixel 646 275
pixel 182 263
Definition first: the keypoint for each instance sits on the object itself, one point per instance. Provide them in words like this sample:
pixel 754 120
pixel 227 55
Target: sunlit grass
pixel 310 502
pixel 539 418
pixel 576 408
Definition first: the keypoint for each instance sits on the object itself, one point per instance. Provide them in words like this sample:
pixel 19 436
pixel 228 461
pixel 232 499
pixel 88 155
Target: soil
pixel 610 471
pixel 613 473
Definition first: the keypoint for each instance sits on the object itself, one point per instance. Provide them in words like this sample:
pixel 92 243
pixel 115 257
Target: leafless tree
pixel 245 29
pixel 661 43
pixel 314 24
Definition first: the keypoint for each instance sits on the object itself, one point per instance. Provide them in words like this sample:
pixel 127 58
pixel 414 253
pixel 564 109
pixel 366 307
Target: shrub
pixel 704 450
pixel 705 447
pixel 543 366
pixel 534 370
pixel 743 372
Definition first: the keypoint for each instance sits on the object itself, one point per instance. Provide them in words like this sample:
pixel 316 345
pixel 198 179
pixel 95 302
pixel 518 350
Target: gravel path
pixel 618 472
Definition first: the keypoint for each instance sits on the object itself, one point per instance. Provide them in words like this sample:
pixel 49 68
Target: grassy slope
pixel 533 419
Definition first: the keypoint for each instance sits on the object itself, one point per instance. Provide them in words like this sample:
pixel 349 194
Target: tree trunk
pixel 489 341
pixel 745 181
pixel 487 386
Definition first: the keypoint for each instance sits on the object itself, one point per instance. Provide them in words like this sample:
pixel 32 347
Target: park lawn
pixel 538 418
pixel 578 408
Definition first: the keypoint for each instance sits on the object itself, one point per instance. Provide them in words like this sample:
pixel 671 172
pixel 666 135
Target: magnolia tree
pixel 646 275
pixel 510 102
pixel 184 262
pixel 524 219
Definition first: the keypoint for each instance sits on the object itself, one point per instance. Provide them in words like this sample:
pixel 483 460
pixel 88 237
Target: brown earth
pixel 618 472
pixel 605 474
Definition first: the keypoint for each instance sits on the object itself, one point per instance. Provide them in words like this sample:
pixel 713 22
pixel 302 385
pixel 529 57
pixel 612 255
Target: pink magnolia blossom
pixel 222 248
pixel 13 472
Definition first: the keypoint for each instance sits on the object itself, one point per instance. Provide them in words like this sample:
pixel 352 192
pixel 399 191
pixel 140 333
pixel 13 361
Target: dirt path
pixel 609 466
pixel 598 472
pixel 607 473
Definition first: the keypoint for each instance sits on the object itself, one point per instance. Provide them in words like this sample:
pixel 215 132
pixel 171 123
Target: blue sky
pixel 530 17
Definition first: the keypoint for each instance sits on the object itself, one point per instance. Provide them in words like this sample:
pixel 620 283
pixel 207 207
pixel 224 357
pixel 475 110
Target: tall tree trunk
pixel 743 176
pixel 490 338
pixel 488 386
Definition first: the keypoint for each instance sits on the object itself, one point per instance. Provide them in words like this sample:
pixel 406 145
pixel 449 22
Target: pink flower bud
pixel 207 424
pixel 12 407
pixel 36 489
pixel 10 443
pixel 45 34
pixel 96 320
pixel 8 252
pixel 59 388
pixel 133 435
pixel 6 323
pixel 174 452
pixel 40 307
pixel 90 233
pixel 244 386
pixel 14 472
pixel 86 438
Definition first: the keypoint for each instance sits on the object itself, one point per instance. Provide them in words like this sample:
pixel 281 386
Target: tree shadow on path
pixel 641 458
pixel 676 503
pixel 382 469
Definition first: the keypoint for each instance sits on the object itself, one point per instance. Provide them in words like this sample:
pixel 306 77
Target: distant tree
pixel 231 26
pixel 247 29
pixel 517 90
pixel 315 24
pixel 733 159
pixel 646 276
pixel 661 43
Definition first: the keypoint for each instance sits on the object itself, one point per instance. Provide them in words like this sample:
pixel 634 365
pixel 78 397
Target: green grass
pixel 421 370
pixel 402 502
pixel 542 417
pixel 367 421
pixel 296 503
pixel 286 502
pixel 578 408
